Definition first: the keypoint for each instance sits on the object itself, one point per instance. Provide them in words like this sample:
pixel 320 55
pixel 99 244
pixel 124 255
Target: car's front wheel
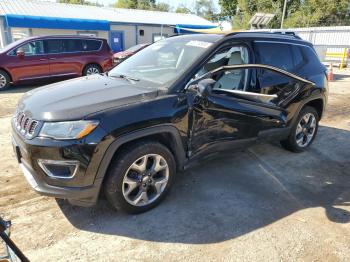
pixel 303 131
pixel 140 177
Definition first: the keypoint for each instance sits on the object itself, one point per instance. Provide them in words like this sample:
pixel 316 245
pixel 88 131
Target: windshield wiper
pixel 129 78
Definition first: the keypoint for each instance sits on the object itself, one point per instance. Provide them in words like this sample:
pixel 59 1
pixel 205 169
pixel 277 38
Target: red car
pixel 53 57
pixel 121 56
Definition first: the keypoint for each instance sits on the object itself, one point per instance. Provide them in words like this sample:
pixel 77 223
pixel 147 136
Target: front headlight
pixel 68 130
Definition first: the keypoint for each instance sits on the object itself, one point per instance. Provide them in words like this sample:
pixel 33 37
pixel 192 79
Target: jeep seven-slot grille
pixel 25 125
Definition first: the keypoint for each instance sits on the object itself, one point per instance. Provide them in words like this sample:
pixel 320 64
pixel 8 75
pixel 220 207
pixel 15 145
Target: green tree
pixel 320 13
pixel 163 7
pixel 300 13
pixel 182 9
pixel 205 9
pixel 131 4
pixel 79 2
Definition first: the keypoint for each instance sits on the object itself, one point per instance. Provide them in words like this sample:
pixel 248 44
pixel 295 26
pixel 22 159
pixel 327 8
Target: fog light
pixel 59 169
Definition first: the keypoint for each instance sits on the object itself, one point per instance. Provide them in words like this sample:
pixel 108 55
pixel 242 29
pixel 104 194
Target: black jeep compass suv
pixel 126 133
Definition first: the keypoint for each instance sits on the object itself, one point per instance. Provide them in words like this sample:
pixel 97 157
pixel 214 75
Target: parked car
pixel 121 56
pixel 53 57
pixel 128 132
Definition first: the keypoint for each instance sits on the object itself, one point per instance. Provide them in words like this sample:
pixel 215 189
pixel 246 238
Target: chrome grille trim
pixel 26 126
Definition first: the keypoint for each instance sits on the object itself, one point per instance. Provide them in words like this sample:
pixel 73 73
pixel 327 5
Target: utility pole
pixel 284 12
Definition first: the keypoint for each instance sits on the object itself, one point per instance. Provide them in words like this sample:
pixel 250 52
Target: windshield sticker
pixel 201 44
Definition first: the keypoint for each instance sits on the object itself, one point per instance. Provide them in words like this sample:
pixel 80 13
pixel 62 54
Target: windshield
pixel 162 62
pixel 135 48
pixel 12 45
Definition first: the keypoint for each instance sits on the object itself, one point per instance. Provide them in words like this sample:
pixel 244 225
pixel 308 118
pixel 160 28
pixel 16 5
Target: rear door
pixel 244 101
pixel 33 65
pixel 64 56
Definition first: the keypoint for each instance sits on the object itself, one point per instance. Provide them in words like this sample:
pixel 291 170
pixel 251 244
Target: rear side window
pixel 275 54
pixel 55 46
pixel 298 57
pixel 91 45
pixel 72 45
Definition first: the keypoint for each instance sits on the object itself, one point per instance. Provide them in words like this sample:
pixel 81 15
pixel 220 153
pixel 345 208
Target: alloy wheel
pixel 305 130
pixel 92 71
pixel 3 81
pixel 145 180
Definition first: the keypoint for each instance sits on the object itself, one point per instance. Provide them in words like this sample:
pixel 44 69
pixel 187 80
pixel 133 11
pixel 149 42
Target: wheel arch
pixel 318 104
pixel 91 63
pixel 9 74
pixel 165 134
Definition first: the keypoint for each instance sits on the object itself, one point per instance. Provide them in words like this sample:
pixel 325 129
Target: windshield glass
pixel 12 45
pixel 162 62
pixel 134 48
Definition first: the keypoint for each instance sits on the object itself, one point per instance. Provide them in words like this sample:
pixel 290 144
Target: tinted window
pixel 277 55
pixel 72 45
pixel 91 45
pixel 297 56
pixel 55 46
pixel 270 82
pixel 32 48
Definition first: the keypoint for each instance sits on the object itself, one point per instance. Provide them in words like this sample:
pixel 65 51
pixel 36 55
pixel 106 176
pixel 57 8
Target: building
pixel 121 27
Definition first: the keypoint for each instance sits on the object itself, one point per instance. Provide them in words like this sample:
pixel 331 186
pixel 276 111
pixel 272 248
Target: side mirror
pixel 20 53
pixel 205 86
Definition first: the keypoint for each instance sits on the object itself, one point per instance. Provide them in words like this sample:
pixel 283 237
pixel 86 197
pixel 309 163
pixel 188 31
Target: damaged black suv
pixel 127 132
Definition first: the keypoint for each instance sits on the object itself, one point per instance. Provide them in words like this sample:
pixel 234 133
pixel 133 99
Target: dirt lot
pixel 263 203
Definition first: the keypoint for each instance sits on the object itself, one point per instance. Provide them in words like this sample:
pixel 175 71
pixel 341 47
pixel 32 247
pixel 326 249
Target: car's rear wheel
pixel 303 131
pixel 4 80
pixel 140 177
pixel 92 69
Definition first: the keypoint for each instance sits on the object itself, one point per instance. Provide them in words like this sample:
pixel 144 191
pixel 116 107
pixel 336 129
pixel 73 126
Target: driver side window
pixel 30 49
pixel 233 79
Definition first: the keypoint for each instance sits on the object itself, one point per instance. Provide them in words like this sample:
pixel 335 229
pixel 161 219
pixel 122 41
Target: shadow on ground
pixel 338 77
pixel 225 198
pixel 18 89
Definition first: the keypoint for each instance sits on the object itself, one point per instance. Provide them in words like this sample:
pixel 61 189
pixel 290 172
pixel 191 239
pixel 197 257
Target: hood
pixel 77 98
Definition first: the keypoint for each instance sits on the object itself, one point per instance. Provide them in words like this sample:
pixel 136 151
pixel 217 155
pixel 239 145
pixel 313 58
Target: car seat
pixel 231 79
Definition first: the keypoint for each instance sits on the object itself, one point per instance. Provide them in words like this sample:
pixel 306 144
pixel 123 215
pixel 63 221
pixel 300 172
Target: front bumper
pixel 83 189
pixel 82 196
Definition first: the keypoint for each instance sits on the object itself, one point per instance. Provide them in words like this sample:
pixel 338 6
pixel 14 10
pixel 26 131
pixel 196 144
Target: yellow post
pixel 343 59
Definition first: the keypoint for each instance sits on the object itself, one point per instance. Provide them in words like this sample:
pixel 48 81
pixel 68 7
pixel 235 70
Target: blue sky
pixel 173 3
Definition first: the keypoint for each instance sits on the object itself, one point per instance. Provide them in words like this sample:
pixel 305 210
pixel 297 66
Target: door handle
pixel 42 59
pixel 52 58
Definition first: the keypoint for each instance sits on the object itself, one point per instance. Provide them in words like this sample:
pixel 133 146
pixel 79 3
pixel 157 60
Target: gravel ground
pixel 260 204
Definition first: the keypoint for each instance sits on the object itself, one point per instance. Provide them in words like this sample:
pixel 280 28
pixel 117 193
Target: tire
pixel 301 137
pixel 131 190
pixel 92 69
pixel 4 80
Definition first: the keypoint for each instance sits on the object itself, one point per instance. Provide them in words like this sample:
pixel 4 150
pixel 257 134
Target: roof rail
pixel 287 33
pixel 291 33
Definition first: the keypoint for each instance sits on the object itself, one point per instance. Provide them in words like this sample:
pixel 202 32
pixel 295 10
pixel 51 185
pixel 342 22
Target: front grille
pixel 25 125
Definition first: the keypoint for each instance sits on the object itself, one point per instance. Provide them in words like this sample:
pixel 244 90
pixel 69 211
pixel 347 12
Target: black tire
pixel 291 142
pixel 119 168
pixel 92 69
pixel 4 80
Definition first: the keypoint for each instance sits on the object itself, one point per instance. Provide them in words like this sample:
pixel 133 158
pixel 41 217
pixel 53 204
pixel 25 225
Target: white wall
pixel 2 33
pixel 129 34
pixel 43 31
pixel 150 30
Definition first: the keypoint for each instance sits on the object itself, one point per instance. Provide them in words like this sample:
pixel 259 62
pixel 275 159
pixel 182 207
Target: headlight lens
pixel 68 130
